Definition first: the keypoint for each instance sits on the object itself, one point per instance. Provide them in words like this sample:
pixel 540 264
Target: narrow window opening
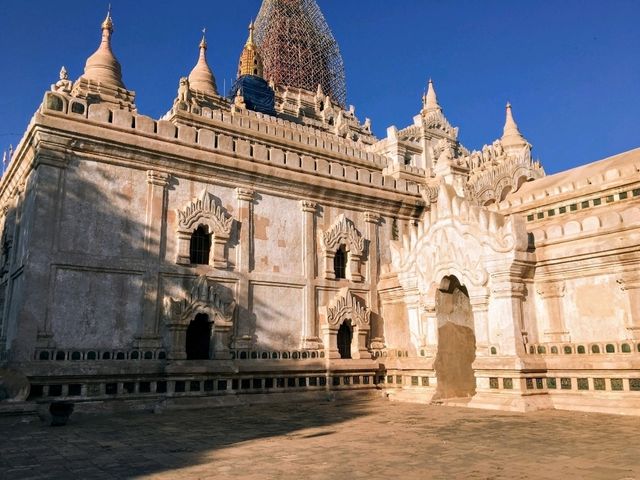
pixel 200 246
pixel 340 263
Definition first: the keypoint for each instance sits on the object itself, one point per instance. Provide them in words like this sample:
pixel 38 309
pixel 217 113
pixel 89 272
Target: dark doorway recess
pixel 345 335
pixel 198 338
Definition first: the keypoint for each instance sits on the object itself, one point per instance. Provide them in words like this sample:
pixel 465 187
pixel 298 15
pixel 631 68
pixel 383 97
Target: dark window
pixel 198 338
pixel 340 263
pixel 344 340
pixel 200 246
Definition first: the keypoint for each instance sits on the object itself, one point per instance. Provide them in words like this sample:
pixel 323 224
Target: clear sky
pixel 571 68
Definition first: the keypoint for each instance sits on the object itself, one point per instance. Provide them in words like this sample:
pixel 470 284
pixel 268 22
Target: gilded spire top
pixel 250 39
pixel 250 59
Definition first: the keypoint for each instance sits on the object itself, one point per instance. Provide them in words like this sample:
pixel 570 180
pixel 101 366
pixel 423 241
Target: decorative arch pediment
pixel 343 232
pixel 457 237
pixel 346 306
pixel 206 211
pixel 205 296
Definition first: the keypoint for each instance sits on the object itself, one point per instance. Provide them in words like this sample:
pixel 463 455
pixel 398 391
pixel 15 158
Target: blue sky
pixel 570 68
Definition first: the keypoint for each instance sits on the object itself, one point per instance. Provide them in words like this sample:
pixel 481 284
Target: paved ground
pixel 328 440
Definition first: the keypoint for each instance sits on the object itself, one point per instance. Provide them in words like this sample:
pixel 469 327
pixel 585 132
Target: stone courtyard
pixel 324 440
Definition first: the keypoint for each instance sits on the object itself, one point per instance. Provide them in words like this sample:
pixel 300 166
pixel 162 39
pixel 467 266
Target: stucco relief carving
pixel 485 251
pixel 205 211
pixel 346 307
pixel 343 233
pixel 206 297
pixel 494 172
pixel 456 237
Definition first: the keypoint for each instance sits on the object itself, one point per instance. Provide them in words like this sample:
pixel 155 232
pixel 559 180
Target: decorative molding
pixel 629 281
pixel 551 290
pixel 160 179
pixel 371 217
pixel 245 194
pixel 308 206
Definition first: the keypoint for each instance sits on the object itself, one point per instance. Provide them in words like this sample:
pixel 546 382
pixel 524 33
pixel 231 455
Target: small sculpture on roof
pixel 63 85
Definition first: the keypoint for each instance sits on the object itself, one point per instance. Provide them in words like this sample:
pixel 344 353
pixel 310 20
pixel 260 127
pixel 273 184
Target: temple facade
pixel 268 244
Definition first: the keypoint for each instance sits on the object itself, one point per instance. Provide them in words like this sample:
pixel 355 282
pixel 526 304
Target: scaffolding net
pixel 298 49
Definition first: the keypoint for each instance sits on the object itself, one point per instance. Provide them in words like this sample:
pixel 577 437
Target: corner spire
pixel 201 77
pixel 430 100
pixel 511 136
pixel 102 66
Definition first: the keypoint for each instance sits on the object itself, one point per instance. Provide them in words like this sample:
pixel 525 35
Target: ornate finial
pixel 107 24
pixel 10 151
pixel 63 74
pixel 203 42
pixel 430 100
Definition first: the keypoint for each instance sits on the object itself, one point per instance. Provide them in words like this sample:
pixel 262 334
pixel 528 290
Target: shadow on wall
pixel 100 282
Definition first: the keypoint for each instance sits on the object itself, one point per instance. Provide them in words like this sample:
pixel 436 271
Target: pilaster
pixel 480 308
pixel 552 294
pixel 154 244
pixel 310 338
pixel 630 283
pixel 242 339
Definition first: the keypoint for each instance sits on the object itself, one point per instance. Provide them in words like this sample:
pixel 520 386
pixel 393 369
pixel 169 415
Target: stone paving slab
pixel 325 440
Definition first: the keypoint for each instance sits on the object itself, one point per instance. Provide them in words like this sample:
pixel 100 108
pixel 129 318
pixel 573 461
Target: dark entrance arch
pixel 198 338
pixel 345 336
pixel 456 341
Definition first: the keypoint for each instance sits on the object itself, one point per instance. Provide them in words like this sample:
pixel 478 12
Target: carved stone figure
pixel 63 85
pixel 184 94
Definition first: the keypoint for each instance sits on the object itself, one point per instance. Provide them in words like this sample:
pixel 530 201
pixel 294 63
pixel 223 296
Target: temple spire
pixel 430 100
pixel 511 136
pixel 250 59
pixel 201 77
pixel 102 66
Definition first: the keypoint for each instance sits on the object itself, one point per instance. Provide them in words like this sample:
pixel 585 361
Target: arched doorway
pixel 345 337
pixel 456 341
pixel 198 338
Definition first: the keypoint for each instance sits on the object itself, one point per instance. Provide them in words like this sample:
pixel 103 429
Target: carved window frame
pixel 205 297
pixel 343 233
pixel 206 212
pixel 345 306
